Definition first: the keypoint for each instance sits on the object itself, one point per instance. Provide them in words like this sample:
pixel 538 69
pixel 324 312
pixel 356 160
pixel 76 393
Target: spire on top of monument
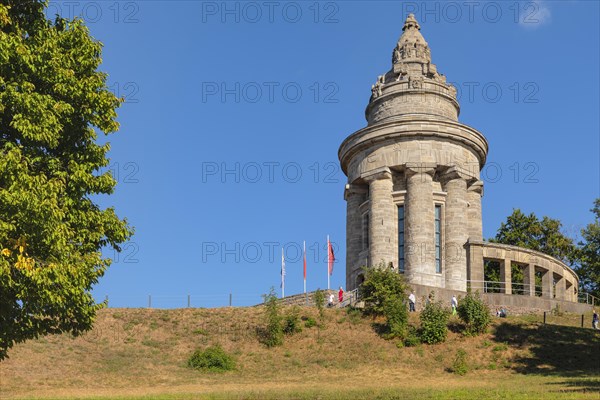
pixel 411 61
pixel 400 91
pixel 411 45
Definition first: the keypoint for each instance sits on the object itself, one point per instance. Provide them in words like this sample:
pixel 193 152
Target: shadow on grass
pixel 555 350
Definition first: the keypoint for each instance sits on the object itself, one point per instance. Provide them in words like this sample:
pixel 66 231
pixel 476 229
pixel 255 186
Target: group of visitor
pixel 330 301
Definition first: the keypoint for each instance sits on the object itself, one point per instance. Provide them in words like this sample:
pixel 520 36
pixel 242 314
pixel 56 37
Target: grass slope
pixel 142 354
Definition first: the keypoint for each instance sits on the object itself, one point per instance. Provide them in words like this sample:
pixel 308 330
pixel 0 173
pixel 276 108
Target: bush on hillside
pixel 291 321
pixel 272 334
pixel 474 313
pixel 213 359
pixel 380 285
pixel 434 322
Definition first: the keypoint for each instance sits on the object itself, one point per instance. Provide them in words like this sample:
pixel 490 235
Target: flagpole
pixel 282 274
pixel 305 266
pixel 328 286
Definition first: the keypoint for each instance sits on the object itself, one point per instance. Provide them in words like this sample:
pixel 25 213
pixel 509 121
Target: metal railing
pixel 587 298
pixel 350 298
pixel 499 287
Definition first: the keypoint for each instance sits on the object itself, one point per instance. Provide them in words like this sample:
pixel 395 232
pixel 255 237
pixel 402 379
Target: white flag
pixel 282 274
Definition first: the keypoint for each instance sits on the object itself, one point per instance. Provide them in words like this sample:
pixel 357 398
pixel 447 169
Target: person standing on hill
pixel 595 320
pixel 341 295
pixel 454 304
pixel 411 302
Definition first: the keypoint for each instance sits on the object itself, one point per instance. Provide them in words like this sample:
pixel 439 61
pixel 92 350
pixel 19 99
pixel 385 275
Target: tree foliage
pixel 541 235
pixel 545 235
pixel 589 254
pixel 384 294
pixel 53 103
pixel 272 334
pixel 474 313
pixel 434 322
pixel 380 285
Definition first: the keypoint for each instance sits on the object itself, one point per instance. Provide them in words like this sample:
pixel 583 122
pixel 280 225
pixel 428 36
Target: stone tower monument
pixel 413 193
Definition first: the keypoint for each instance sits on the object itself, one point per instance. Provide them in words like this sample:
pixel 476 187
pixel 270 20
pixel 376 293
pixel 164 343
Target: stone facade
pixel 414 190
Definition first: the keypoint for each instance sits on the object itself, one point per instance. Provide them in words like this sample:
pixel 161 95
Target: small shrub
pixel 200 331
pixel 272 335
pixel 434 323
pixel 474 313
pixel 459 365
pixel 320 302
pixel 291 323
pixel 213 358
pixel 310 322
pixel 397 318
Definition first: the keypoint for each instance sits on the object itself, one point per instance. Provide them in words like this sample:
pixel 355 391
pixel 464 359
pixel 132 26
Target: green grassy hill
pixel 143 353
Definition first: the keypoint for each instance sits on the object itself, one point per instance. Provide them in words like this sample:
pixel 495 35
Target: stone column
pixel 529 279
pixel 561 288
pixel 570 294
pixel 456 230
pixel 474 195
pixel 419 220
pixel 382 217
pixel 354 195
pixel 475 266
pixel 506 276
pixel 547 284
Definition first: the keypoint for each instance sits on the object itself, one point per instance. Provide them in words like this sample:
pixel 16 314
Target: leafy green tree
pixel 474 313
pixel 53 103
pixel 272 334
pixel 381 284
pixel 589 254
pixel 532 233
pixel 434 322
pixel 384 294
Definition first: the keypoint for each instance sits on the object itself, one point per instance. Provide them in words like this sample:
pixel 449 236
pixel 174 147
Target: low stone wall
pixel 307 299
pixel 515 304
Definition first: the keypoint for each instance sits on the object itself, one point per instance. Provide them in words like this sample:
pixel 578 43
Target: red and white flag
pixel 330 261
pixel 330 257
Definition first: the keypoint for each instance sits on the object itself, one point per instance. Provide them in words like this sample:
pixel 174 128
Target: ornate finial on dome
pixel 411 46
pixel 412 74
pixel 411 22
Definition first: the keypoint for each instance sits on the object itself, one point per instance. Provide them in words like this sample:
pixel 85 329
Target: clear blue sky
pixel 235 111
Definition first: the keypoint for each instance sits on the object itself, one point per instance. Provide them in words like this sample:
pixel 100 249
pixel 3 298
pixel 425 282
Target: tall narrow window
pixel 365 229
pixel 438 239
pixel 401 239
